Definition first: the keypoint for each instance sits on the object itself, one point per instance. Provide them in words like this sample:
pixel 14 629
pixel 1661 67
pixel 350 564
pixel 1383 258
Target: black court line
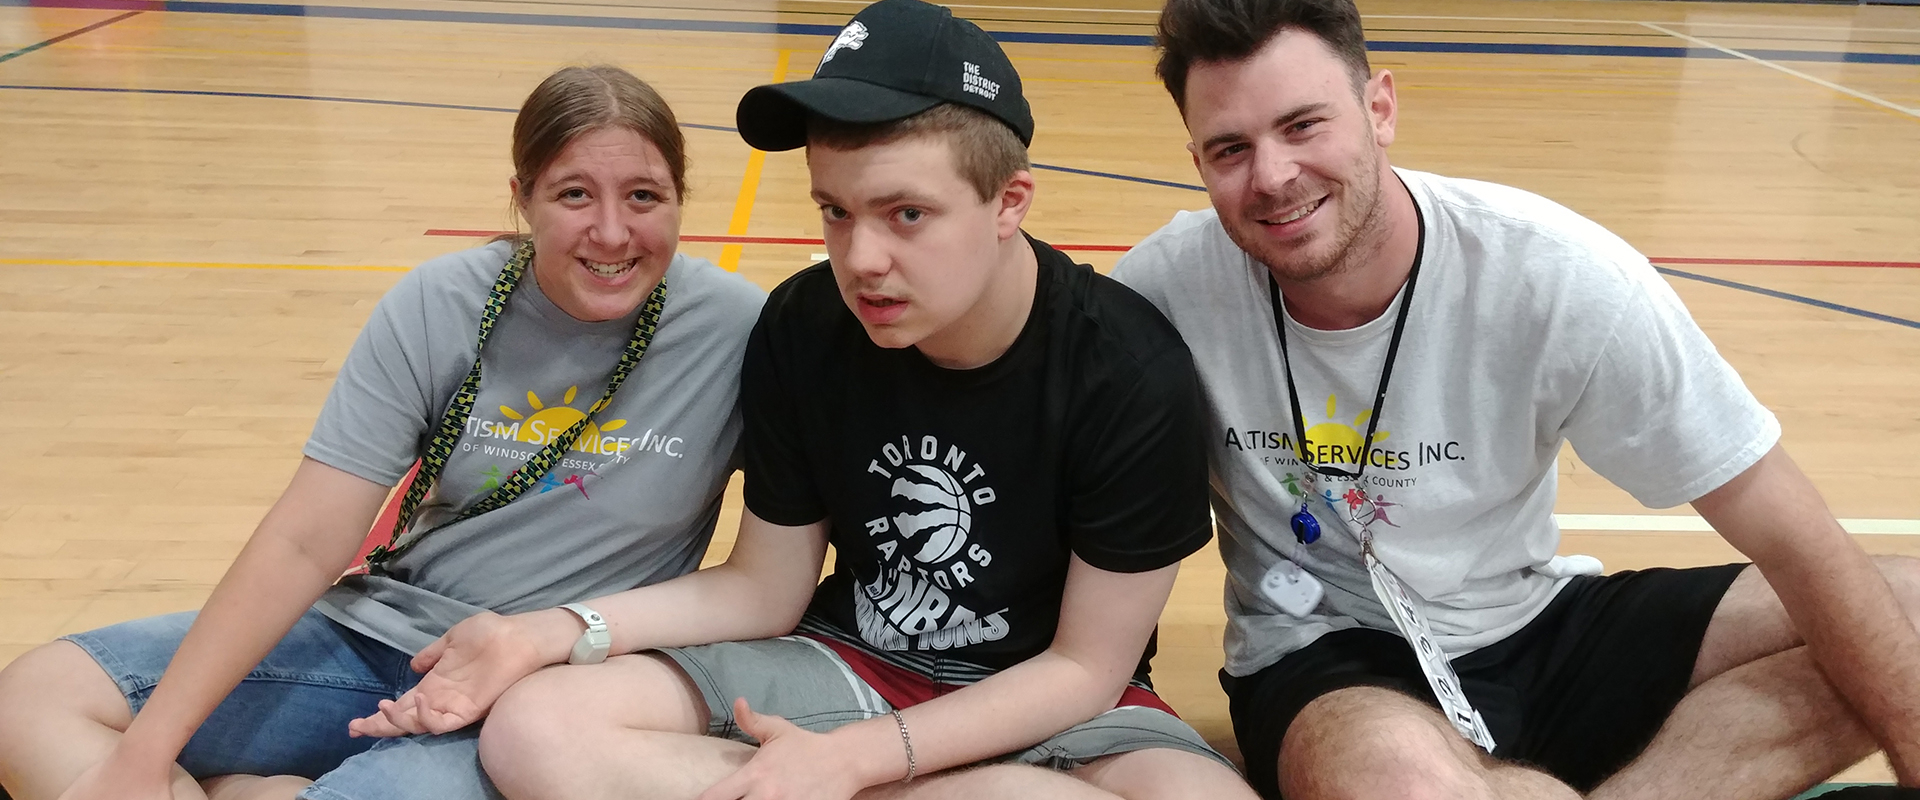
pixel 65 36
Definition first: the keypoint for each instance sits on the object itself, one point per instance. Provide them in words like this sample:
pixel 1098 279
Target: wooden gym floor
pixel 201 201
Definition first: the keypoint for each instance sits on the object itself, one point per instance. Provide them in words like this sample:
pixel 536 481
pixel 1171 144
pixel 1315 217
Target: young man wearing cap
pixel 1002 446
pixel 1392 361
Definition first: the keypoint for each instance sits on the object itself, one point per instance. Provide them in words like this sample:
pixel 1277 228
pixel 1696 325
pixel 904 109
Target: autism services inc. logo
pixel 544 422
pixel 1335 442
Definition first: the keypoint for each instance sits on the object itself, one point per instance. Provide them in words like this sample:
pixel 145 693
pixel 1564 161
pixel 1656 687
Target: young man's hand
pixel 792 764
pixel 467 670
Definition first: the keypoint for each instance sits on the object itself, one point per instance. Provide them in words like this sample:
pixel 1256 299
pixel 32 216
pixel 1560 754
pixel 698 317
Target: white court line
pixel 1788 70
pixel 1688 522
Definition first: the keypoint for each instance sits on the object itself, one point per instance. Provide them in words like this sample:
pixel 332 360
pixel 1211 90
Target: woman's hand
pixel 466 671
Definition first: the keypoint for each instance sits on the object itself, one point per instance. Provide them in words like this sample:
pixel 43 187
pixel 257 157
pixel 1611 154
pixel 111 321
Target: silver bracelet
pixel 906 741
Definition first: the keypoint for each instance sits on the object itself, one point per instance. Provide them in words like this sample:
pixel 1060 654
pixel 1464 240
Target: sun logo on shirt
pixel 1339 443
pixel 547 423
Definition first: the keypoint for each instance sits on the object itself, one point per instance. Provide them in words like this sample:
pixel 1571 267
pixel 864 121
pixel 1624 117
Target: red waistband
pixel 904 688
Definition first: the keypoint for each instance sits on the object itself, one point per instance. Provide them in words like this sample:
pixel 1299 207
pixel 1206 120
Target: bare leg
pixel 1367 743
pixel 997 780
pixel 1761 721
pixel 254 787
pixel 635 727
pixel 1764 730
pixel 59 715
pixel 1164 774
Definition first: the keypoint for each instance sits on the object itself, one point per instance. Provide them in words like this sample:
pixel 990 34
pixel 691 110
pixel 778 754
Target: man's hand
pixel 466 671
pixel 792 764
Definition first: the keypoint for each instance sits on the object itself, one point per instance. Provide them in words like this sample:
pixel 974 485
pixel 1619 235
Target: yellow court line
pixel 74 262
pixel 749 186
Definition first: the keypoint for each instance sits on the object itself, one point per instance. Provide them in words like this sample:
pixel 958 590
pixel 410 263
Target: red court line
pixel 1787 262
pixel 1098 248
pixel 1119 248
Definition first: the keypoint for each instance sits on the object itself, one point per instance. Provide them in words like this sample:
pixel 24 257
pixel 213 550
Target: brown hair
pixel 986 152
pixel 1231 30
pixel 579 100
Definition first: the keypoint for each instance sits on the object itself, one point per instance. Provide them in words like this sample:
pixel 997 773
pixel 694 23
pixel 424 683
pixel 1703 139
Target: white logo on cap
pixel 971 81
pixel 851 37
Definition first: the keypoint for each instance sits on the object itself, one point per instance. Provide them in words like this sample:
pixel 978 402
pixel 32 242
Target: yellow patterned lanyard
pixel 455 420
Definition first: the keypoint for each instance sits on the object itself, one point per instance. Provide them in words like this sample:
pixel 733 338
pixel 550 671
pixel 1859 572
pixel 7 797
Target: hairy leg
pixel 1761 720
pixel 1368 743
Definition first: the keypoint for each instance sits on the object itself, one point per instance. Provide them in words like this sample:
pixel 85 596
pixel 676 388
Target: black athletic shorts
pixel 1577 692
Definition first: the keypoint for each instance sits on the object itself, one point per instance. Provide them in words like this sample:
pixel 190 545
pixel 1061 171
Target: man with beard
pixel 1365 332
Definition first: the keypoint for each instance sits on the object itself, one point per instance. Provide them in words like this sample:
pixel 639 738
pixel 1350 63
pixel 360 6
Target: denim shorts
pixel 289 716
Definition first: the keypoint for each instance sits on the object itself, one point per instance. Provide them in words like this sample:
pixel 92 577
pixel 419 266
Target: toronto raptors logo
pixel 943 526
pixel 851 38
pixel 926 550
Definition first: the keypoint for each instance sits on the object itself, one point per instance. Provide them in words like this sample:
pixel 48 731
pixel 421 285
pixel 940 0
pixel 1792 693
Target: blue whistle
pixel 1305 527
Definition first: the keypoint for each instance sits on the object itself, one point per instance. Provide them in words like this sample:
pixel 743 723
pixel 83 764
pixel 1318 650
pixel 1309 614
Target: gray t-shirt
pixel 1531 326
pixel 633 503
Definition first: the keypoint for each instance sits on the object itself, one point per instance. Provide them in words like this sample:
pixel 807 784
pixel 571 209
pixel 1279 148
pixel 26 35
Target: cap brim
pixel 774 117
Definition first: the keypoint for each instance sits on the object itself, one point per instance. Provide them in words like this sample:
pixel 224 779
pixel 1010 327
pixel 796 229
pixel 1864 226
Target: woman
pixel 570 396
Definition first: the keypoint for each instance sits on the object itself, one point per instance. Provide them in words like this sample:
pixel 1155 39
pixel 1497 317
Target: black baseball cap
pixel 896 59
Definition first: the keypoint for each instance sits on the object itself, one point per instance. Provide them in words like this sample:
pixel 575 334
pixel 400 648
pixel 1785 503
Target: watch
pixel 594 643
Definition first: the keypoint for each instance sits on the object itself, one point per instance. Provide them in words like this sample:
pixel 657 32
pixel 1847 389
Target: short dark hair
pixel 986 152
pixel 1231 30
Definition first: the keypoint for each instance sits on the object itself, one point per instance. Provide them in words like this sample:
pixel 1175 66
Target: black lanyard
pixel 454 422
pixel 1386 370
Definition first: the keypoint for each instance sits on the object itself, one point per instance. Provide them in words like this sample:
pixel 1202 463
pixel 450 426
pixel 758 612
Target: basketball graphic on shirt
pixel 943 515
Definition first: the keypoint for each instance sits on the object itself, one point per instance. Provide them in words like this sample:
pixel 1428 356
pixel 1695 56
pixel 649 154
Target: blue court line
pixel 500 110
pixel 1797 298
pixel 65 36
pixel 806 29
pixel 308 97
pixel 1118 177
pixel 258 96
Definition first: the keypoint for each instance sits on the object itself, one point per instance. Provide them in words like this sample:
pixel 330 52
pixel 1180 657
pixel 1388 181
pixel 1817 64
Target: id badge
pixel 1433 661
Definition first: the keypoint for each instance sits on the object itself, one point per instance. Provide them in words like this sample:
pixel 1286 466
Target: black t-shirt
pixel 956 496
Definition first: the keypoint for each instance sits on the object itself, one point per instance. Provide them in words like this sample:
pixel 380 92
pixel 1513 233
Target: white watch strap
pixel 593 644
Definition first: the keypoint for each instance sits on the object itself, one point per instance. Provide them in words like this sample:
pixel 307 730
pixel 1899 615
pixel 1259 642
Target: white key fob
pixel 1292 588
